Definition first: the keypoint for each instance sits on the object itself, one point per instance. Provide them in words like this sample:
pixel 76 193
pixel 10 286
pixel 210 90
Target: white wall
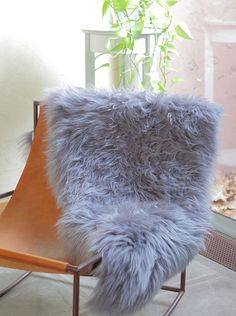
pixel 41 46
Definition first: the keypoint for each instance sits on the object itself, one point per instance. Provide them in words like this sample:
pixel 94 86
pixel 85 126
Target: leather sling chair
pixel 28 238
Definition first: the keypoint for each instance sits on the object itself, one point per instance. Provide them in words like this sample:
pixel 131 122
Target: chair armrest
pixel 28 262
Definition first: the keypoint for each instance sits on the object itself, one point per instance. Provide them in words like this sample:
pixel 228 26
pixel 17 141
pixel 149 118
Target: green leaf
pixel 105 7
pixel 160 2
pixel 118 47
pixel 170 57
pixel 174 37
pixel 139 58
pixel 120 5
pixel 173 51
pixel 183 31
pixel 163 48
pixel 138 28
pixel 115 25
pixel 101 54
pixel 170 46
pixel 128 42
pixel 131 75
pixel 177 79
pixel 142 87
pixel 161 86
pixel 171 2
pixel 102 66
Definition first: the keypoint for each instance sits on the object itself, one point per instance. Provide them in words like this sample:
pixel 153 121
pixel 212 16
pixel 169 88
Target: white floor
pixel 211 291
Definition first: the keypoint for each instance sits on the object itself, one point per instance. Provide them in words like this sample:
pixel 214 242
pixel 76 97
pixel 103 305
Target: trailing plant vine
pixel 130 19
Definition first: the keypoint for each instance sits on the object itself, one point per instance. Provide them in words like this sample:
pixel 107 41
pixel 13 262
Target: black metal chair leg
pixel 15 283
pixel 174 304
pixel 76 286
pixel 180 291
pixel 183 280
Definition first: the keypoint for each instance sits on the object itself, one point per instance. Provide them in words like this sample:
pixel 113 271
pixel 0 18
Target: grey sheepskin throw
pixel 131 171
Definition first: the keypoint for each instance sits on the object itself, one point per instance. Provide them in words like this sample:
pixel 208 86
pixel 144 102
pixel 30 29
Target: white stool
pixel 96 42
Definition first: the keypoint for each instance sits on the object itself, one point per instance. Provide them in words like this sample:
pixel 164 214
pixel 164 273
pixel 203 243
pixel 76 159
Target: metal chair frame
pixel 76 270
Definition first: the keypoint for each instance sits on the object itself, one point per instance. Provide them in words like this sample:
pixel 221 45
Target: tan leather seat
pixel 27 225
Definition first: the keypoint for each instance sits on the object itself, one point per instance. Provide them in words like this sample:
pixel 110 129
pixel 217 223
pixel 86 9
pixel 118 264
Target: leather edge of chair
pixel 87 267
pixel 25 261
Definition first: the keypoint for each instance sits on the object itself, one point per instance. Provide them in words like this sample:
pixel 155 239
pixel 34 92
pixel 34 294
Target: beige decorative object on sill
pixel 224 195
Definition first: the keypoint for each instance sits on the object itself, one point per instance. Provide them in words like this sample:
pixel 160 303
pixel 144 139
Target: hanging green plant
pixel 130 19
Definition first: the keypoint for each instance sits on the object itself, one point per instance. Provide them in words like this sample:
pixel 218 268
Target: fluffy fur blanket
pixel 131 172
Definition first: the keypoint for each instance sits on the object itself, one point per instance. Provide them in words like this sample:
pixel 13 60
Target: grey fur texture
pixel 131 171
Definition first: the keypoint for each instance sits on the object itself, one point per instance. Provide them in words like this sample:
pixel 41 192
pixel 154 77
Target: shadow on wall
pixel 23 76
